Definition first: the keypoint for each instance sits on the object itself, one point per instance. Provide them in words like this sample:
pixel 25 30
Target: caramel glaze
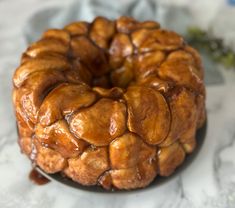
pixel 37 177
pixel 114 103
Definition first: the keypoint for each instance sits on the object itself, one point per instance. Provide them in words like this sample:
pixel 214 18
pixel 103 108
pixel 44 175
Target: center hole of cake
pixel 121 77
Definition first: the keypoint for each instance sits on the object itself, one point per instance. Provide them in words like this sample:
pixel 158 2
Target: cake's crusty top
pixel 109 102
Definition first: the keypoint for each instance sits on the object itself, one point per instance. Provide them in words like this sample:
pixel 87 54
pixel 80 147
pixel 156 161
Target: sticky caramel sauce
pixel 37 177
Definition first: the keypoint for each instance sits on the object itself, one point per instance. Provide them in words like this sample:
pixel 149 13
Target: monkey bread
pixel 113 103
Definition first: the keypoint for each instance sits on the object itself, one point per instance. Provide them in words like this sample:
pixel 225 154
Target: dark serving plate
pixel 200 136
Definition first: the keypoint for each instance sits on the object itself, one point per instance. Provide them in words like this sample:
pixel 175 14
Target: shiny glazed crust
pixel 110 103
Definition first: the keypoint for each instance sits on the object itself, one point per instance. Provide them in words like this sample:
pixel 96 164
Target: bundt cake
pixel 110 103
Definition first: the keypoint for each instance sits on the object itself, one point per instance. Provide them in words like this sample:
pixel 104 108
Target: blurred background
pixel 208 25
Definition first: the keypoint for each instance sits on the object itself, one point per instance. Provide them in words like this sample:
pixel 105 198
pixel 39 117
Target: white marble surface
pixel 208 182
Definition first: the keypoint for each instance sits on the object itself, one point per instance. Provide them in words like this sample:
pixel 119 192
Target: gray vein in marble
pixel 217 163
